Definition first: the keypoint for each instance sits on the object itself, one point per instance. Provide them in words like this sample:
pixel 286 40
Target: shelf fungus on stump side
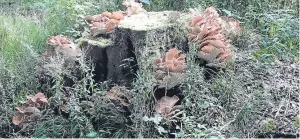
pixel 169 69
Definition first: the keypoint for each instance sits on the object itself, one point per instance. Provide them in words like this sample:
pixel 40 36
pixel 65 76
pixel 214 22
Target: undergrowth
pixel 216 108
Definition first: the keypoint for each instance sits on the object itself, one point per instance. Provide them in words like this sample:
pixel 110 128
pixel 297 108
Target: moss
pixel 100 42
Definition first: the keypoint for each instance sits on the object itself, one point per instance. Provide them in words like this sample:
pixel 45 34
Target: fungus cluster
pixel 60 41
pixel 104 22
pixel 29 110
pixel 208 31
pixel 173 61
pixel 64 47
pixel 169 68
pixel 107 21
pixel 115 97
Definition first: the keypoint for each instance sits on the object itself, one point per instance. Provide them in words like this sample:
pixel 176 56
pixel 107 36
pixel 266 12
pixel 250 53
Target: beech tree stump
pixel 135 43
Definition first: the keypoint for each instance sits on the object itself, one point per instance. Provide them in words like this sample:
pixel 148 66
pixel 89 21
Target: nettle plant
pixel 211 31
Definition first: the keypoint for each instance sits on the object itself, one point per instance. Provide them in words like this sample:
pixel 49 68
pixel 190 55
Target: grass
pixel 22 41
pixel 226 106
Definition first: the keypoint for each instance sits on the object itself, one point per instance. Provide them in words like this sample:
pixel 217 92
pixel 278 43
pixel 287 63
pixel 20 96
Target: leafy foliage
pixel 280 36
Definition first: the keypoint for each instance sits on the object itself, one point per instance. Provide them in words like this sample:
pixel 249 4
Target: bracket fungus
pixel 209 31
pixel 169 69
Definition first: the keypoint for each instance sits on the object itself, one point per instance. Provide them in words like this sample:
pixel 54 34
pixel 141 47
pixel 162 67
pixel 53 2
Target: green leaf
pixel 91 134
pixel 161 130
pixel 74 130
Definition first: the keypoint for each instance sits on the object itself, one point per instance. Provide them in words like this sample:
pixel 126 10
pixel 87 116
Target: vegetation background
pixel 271 35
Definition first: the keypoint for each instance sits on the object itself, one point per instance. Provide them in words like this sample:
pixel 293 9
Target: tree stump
pixel 135 43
